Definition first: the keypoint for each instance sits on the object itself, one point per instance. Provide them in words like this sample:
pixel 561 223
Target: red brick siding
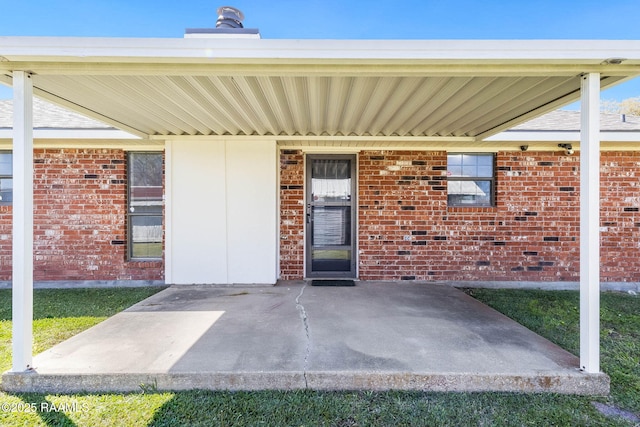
pixel 291 214
pixel 620 220
pixel 401 198
pixel 407 231
pixel 79 219
pixel 535 222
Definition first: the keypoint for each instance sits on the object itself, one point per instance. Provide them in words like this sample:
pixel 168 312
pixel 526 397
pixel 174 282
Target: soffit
pixel 312 88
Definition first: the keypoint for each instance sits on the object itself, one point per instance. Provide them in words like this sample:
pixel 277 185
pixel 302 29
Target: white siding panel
pixel 252 170
pixel 197 230
pixel 221 212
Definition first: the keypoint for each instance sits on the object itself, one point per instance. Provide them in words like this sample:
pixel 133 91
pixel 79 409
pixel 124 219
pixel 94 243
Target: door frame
pixel 352 273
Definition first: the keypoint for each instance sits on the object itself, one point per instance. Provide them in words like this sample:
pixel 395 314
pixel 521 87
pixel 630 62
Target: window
pixel 470 179
pixel 6 178
pixel 145 206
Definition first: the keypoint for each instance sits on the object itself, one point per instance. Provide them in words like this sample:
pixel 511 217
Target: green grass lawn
pixel 555 316
pixel 61 313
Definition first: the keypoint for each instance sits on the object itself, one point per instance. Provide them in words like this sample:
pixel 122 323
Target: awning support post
pixel 22 282
pixel 590 224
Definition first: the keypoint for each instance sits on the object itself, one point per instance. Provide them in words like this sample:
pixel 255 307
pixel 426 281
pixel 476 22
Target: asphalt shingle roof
pixel 49 116
pixel 561 120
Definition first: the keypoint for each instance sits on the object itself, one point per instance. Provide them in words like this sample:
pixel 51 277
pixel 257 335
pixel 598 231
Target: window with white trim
pixel 470 179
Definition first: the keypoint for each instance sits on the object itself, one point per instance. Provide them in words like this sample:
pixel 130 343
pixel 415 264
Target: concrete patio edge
pixel 374 336
pixel 579 383
pixel 489 284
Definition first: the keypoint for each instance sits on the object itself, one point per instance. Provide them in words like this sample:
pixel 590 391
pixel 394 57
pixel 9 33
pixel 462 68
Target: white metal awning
pixel 436 89
pixel 445 90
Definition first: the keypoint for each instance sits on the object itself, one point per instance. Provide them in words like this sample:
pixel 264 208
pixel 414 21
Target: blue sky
pixel 332 19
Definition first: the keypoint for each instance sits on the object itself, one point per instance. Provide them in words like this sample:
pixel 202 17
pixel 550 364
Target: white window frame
pixel 471 179
pixel 5 176
pixel 131 213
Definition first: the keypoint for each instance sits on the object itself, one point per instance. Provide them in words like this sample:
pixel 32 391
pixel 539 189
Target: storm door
pixel 330 216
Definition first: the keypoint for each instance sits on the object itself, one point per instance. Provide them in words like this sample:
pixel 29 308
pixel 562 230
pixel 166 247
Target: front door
pixel 330 223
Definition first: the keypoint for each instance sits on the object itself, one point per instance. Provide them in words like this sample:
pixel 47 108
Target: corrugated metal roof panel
pixel 250 105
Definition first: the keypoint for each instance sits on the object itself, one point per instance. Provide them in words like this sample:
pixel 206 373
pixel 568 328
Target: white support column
pixel 590 224
pixel 22 221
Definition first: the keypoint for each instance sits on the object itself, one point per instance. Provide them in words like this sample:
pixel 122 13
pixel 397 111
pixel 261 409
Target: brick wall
pixel 620 221
pixel 407 231
pixel 79 219
pixel 291 214
pixel 402 198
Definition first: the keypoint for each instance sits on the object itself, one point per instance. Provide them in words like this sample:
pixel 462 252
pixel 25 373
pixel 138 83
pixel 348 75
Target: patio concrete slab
pixel 376 336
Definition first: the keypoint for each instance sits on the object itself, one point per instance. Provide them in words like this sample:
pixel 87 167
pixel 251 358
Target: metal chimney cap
pixel 228 25
pixel 229 17
pixel 230 12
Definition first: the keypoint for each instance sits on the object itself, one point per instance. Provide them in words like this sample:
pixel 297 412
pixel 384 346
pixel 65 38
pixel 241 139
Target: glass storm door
pixel 330 222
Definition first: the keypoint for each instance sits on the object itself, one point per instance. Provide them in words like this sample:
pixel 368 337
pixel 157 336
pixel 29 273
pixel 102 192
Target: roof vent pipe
pixel 229 17
pixel 623 117
pixel 228 26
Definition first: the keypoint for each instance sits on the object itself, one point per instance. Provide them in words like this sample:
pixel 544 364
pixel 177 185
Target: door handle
pixel 309 213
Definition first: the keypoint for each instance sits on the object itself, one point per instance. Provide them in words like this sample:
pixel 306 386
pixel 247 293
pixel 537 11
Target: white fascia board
pixel 116 144
pixel 71 134
pixel 592 52
pixel 81 134
pixel 560 136
pixel 523 136
pixel 334 138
